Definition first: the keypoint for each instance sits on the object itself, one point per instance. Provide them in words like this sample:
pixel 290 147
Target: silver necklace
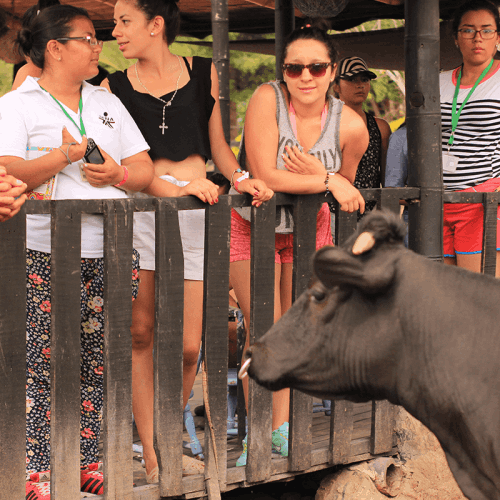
pixel 165 103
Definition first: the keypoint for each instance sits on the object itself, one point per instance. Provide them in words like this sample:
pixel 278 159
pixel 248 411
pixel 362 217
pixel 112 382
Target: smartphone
pixel 93 155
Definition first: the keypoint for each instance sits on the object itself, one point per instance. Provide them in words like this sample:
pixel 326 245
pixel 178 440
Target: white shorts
pixel 192 229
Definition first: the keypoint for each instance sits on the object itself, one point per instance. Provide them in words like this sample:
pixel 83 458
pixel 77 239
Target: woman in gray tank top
pixel 291 122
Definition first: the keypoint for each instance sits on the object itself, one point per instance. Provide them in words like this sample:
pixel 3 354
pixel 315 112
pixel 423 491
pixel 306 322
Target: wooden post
pixel 261 319
pixel 65 349
pixel 423 119
pixel 168 346
pixel 220 30
pixel 284 23
pixel 304 245
pixel 118 477
pixel 13 357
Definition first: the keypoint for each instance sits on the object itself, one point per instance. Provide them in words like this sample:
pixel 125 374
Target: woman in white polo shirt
pixel 45 126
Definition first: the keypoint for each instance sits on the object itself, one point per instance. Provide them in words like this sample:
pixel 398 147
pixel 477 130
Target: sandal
pixel 153 476
pixel 38 490
pixel 280 440
pixel 92 480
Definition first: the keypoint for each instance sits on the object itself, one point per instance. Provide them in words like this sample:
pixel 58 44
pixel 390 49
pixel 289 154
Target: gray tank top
pixel 326 149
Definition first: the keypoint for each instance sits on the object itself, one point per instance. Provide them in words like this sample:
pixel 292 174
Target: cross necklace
pixel 165 103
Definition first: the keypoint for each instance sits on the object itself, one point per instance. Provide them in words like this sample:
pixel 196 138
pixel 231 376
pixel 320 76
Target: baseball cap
pixel 351 66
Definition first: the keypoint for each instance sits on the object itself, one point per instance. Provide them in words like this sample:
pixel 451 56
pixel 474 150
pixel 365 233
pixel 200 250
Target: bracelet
pixel 65 153
pixel 125 177
pixel 232 175
pixel 326 182
pixel 245 175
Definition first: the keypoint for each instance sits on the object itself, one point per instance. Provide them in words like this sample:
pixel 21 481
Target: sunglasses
pixel 315 69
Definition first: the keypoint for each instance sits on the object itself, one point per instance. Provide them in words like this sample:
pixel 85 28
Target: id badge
pixel 450 162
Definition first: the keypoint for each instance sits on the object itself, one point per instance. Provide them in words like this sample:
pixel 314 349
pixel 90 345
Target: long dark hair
pixel 474 5
pixel 51 23
pixel 167 9
pixel 313 29
pixel 34 10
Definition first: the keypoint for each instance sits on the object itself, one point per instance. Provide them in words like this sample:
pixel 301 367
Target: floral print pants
pixel 38 320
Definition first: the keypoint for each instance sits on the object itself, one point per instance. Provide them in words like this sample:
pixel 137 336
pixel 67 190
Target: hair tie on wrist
pixel 125 177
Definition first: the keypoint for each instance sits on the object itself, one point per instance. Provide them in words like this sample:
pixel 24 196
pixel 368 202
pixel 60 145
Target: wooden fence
pixel 355 432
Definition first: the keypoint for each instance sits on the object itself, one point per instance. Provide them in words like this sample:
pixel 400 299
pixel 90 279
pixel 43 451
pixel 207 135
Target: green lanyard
pixel 81 128
pixel 454 115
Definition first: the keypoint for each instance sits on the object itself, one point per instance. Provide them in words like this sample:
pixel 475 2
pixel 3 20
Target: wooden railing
pixel 345 443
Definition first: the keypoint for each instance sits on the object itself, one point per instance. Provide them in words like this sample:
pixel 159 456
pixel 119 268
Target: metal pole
pixel 220 30
pixel 423 118
pixel 284 23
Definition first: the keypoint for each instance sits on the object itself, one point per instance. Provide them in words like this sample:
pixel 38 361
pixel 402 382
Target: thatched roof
pixel 245 16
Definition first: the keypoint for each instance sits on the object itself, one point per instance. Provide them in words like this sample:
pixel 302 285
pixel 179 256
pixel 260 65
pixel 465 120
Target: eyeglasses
pixel 315 69
pixel 486 34
pixel 92 40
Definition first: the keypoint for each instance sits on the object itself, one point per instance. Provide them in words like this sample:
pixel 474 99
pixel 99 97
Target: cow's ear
pixel 335 267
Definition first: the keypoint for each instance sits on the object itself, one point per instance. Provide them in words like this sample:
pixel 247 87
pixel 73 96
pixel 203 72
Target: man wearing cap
pixel 352 85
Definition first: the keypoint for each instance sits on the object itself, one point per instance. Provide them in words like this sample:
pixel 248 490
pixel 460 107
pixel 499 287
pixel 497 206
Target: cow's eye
pixel 318 295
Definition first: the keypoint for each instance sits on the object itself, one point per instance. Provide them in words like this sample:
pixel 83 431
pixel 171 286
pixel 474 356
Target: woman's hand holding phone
pixel 103 174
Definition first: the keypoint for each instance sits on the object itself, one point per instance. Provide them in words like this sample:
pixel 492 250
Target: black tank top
pixel 368 173
pixel 187 117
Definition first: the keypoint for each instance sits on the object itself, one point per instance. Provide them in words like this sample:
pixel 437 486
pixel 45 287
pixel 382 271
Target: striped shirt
pixel 477 136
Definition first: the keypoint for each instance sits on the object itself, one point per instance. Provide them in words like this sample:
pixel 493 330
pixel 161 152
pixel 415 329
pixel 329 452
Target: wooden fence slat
pixel 261 319
pixel 345 225
pixel 13 356
pixel 168 347
pixel 489 254
pixel 215 339
pixel 382 427
pixel 389 200
pixel 341 432
pixel 304 245
pixel 65 349
pixel 118 217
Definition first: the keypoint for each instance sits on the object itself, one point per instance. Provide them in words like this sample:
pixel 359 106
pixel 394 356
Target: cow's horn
pixel 363 243
pixel 244 369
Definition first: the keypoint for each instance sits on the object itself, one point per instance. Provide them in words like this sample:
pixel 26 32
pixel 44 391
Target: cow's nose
pixel 244 367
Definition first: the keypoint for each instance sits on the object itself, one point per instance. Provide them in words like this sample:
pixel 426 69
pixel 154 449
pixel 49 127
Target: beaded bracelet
pixel 125 177
pixel 232 175
pixel 327 179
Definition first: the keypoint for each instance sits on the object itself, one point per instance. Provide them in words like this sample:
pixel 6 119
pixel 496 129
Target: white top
pixel 477 136
pixel 31 124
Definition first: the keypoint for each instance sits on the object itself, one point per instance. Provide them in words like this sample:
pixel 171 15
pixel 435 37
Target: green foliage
pixel 6 73
pixel 112 59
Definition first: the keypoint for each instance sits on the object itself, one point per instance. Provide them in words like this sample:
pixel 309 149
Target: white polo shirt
pixel 31 123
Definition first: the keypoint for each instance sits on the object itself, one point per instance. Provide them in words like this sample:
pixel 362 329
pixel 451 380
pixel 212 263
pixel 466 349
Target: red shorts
pixel 463 223
pixel 240 238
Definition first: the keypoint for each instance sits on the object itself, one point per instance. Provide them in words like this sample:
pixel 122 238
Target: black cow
pixel 382 322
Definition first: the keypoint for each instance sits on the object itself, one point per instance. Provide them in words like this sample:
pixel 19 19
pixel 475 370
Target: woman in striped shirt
pixel 470 107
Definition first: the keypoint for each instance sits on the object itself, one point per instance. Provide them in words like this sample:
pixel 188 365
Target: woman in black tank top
pixel 352 85
pixel 175 104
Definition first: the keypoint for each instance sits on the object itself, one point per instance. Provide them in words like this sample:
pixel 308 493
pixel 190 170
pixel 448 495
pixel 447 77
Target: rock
pixel 385 472
pixel 348 484
pixel 420 473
